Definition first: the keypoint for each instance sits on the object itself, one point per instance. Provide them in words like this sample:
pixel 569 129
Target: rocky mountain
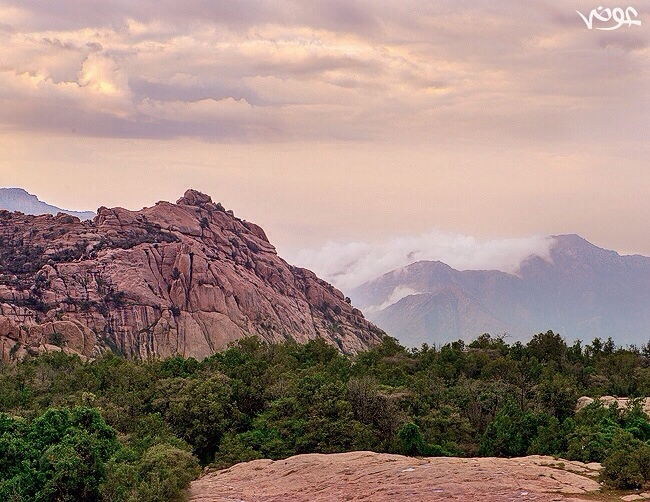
pixel 582 292
pixel 184 278
pixel 17 199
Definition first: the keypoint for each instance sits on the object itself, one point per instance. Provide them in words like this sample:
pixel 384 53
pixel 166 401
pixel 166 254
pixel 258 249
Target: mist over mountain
pixel 347 265
pixel 579 290
pixel 17 199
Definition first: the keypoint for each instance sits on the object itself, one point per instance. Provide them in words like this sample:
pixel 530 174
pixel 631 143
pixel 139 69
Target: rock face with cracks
pixel 184 278
pixel 382 477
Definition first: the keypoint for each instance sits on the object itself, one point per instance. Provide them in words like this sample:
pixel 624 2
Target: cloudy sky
pixel 337 123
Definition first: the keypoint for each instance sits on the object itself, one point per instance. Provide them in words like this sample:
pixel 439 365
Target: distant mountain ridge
pixel 583 292
pixel 18 199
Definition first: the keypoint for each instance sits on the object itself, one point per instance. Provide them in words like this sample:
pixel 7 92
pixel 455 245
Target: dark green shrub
pixel 411 440
pixel 164 472
pixel 511 432
pixel 627 467
pixel 60 455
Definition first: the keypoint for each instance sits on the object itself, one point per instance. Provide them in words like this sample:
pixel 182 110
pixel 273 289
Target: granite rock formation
pixel 184 278
pixel 620 402
pixel 365 475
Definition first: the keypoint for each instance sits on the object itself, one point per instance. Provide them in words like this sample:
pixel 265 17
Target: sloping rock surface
pixel 184 278
pixel 382 477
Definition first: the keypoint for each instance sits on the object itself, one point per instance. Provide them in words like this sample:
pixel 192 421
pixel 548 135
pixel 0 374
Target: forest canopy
pixel 117 429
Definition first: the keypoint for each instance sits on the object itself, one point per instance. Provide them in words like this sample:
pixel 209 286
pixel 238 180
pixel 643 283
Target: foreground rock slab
pixel 378 477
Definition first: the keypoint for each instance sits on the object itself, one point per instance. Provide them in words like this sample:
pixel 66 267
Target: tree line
pixel 118 430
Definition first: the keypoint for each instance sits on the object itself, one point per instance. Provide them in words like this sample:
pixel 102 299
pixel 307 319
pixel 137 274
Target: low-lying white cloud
pixel 347 265
pixel 396 295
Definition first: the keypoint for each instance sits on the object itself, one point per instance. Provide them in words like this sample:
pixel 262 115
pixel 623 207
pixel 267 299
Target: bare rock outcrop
pixel 383 477
pixel 620 402
pixel 184 278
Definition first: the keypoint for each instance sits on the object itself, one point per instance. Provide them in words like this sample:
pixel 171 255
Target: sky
pixel 456 127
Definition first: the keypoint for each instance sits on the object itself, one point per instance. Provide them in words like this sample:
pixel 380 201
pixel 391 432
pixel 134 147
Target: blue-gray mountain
pixel 582 292
pixel 17 199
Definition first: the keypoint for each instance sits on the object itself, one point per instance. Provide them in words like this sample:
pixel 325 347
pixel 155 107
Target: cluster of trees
pixel 72 454
pixel 116 429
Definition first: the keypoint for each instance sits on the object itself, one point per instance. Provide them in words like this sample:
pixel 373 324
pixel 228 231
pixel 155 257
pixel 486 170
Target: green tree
pixel 411 440
pixel 511 432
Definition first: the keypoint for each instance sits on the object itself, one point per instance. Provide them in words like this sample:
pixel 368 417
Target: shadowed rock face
pixel 184 278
